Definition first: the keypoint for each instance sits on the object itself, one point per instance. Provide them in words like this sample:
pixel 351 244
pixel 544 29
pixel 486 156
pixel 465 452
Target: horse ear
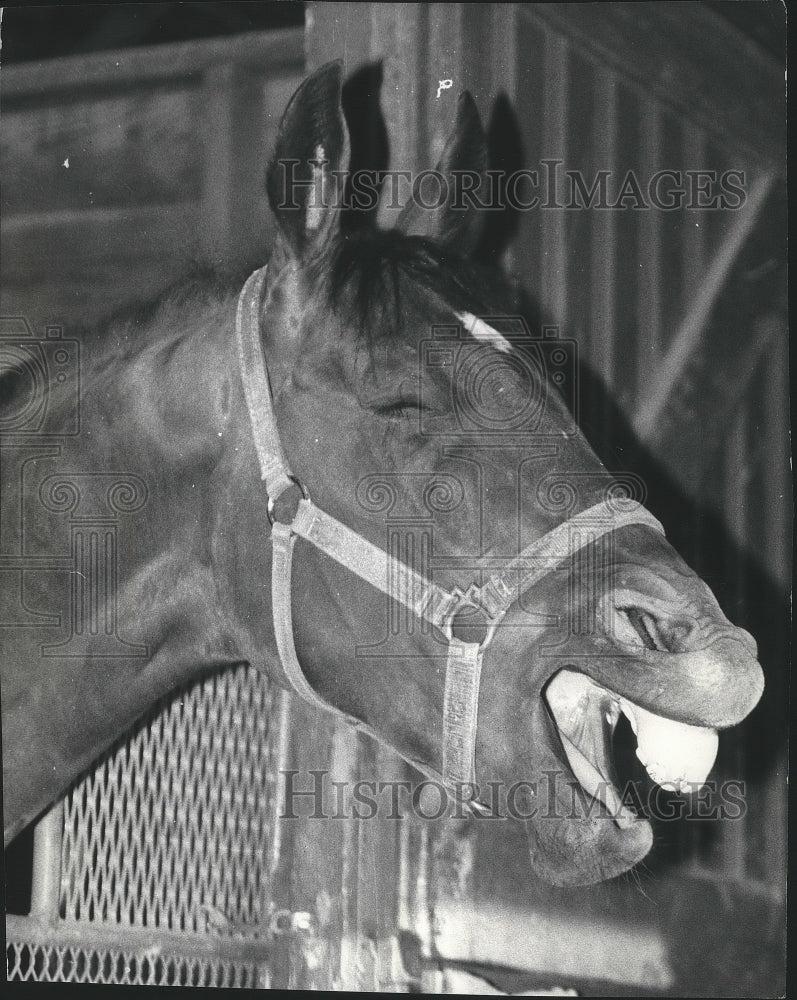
pixel 307 173
pixel 449 223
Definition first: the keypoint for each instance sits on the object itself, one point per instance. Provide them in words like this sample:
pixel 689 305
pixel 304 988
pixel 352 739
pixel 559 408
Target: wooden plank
pixel 651 276
pixel 272 51
pixel 603 318
pixel 503 65
pixel 554 285
pixel 777 486
pixel 445 60
pixel 71 244
pixel 133 148
pixel 690 58
pixel 219 98
pixel 45 890
pixel 340 31
pixel 398 32
pixel 694 154
pixel 731 849
pixel 541 941
pixel 647 419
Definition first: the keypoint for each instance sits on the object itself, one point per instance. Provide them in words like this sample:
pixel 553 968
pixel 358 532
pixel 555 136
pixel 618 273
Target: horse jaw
pixel 566 697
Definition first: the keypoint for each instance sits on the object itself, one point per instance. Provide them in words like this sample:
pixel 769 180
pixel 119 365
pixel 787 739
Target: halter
pixel 425 599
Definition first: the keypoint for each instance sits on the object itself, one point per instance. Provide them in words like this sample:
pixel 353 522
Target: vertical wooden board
pixel 529 109
pixel 259 110
pixel 340 31
pixel 555 111
pixel 767 611
pixel 504 130
pixel 776 488
pixel 627 270
pixel 578 217
pixel 672 302
pixel 694 225
pixel 719 223
pixel 310 878
pixel 650 274
pixel 602 282
pixel 444 60
pixel 400 34
pixel 242 113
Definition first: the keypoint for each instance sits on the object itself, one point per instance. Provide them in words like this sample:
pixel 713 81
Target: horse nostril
pixel 638 627
pixel 646 629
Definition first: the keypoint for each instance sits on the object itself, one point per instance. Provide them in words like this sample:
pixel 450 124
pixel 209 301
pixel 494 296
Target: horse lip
pixel 714 685
pixel 743 637
pixel 585 725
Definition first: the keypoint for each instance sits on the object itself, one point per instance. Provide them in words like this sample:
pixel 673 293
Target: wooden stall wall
pixel 680 322
pixel 120 169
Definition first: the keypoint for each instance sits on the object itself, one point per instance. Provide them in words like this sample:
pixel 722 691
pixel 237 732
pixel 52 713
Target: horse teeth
pixel 672 752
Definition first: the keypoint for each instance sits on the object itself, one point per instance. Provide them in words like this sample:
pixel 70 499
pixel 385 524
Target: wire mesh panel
pixel 76 964
pixel 172 827
pixel 170 833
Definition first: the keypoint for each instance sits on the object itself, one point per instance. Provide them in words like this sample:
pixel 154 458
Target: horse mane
pixel 364 278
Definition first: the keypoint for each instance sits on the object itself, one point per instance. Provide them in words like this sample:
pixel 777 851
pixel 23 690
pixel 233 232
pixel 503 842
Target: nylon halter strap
pixel 425 599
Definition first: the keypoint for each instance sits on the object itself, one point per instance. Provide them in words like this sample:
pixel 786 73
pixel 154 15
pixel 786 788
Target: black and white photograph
pixel 395 497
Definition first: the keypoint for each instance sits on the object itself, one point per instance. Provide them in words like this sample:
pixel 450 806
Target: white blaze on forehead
pixel 315 204
pixel 480 330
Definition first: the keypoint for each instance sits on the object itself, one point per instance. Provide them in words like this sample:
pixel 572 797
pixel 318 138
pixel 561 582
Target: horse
pixel 220 476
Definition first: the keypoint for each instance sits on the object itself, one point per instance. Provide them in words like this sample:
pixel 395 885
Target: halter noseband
pixel 425 599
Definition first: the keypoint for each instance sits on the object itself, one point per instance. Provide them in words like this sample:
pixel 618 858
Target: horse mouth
pixel 676 756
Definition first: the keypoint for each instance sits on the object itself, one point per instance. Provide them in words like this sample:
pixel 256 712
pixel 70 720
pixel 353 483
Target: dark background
pixel 67 29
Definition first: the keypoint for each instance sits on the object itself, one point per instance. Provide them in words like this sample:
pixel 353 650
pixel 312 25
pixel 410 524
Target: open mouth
pixel 677 756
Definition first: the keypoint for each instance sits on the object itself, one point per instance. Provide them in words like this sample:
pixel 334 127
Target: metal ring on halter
pixel 270 504
pixel 491 624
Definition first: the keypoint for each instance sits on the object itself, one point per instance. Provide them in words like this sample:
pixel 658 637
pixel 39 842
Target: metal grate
pixel 75 964
pixel 170 832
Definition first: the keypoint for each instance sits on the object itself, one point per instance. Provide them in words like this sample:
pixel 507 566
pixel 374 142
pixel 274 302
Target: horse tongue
pixel 585 716
pixel 673 753
pixel 597 784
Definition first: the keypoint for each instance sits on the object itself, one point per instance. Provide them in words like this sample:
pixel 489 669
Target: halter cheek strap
pixel 425 599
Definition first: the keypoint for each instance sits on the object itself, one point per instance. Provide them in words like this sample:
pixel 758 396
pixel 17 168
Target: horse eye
pixel 398 408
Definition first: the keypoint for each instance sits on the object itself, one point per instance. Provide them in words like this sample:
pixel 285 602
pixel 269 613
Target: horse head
pixel 402 402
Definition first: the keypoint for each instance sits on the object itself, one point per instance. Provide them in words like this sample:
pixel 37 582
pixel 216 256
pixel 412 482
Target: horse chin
pixel 583 851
